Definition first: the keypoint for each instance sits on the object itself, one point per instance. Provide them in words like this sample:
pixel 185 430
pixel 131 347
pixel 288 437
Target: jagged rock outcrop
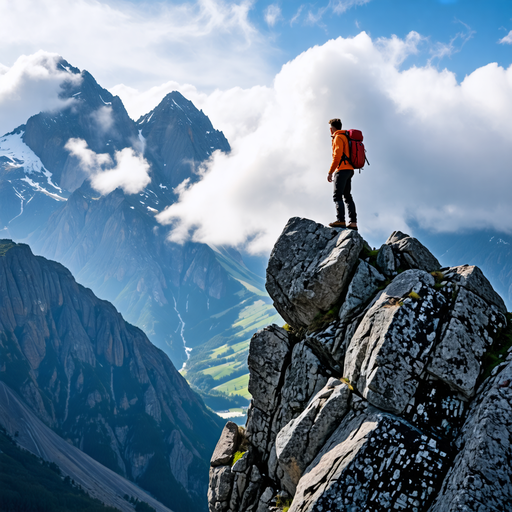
pixel 99 382
pixel 374 397
pixel 309 268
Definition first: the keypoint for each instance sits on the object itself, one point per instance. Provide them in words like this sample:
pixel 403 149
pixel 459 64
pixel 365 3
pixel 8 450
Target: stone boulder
pixel 373 461
pixel 269 353
pixel 470 332
pixel 226 445
pixel 392 344
pixel 298 443
pixel 310 268
pixel 409 253
pixel 472 278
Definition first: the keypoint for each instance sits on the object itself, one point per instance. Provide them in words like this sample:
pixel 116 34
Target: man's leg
pixel 349 200
pixel 340 182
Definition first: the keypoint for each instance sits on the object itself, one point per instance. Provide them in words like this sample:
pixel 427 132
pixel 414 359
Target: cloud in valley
pixel 439 150
pixel 31 85
pixel 130 171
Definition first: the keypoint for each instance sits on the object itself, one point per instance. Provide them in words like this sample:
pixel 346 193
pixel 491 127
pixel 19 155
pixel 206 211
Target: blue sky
pixel 467 30
pixel 429 82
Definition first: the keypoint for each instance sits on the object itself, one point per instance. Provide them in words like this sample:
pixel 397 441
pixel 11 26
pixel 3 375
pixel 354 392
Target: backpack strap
pixel 345 158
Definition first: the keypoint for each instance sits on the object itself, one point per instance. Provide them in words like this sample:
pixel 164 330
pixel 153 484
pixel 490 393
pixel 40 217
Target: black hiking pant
pixel 343 194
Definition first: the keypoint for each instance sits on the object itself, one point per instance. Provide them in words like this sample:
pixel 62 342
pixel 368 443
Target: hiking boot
pixel 338 224
pixel 352 225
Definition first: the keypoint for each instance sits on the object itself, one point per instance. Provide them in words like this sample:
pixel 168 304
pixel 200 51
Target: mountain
pixel 182 296
pixel 177 138
pixel 390 387
pixel 98 381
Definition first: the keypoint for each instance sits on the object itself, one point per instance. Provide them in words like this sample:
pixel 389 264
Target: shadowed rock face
pixel 378 408
pixel 99 382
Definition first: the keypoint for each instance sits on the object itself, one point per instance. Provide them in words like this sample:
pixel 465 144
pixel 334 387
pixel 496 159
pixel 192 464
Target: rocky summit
pixel 388 389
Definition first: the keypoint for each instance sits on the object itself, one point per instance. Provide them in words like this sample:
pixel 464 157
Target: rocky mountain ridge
pixel 388 389
pixel 181 296
pixel 99 383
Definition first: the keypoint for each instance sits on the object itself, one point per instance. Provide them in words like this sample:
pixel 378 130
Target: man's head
pixel 335 125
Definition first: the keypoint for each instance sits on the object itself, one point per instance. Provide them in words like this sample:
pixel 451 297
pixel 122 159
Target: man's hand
pixel 329 178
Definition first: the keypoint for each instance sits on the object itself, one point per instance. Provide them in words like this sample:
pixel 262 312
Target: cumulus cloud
pixel 130 171
pixel 439 150
pixel 30 85
pixel 507 39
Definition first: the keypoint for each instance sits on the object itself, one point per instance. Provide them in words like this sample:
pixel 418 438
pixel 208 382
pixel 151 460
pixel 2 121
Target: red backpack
pixel 357 157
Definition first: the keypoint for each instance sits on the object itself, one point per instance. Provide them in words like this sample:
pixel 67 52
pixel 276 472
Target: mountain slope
pixel 99 382
pixel 33 435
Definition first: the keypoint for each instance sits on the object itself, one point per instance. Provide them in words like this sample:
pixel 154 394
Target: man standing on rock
pixel 341 173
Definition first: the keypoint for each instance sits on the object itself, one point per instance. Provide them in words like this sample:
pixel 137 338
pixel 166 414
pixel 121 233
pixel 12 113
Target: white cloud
pixel 340 6
pixel 103 119
pixel 211 42
pixel 439 150
pixel 131 171
pixel 507 39
pixel 30 85
pixel 272 14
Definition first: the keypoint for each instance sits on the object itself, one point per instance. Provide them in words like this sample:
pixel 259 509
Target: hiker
pixel 341 173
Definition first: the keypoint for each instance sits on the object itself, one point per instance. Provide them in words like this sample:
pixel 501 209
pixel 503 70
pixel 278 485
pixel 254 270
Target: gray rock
pixel 226 445
pixel 264 503
pixel 411 253
pixel 480 478
pixel 391 346
pixel 268 353
pixel 304 378
pixel 362 288
pixel 457 358
pixel 472 278
pixel 278 400
pixel 367 465
pixel 309 268
pixel 221 482
pixel 386 260
pixel 298 443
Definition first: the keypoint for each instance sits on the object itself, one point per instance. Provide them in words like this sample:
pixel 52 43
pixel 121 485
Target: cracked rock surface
pixel 374 398
pixel 309 269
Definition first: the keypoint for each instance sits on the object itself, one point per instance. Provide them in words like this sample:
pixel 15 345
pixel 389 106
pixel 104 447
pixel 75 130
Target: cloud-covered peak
pixel 33 84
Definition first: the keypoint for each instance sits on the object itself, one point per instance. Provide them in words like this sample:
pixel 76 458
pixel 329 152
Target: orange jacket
pixel 339 148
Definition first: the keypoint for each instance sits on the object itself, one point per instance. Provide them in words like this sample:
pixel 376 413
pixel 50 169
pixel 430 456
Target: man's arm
pixel 337 154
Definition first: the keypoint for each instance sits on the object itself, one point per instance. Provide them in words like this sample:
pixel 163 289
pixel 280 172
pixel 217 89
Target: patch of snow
pixel 77 93
pixel 106 102
pixel 38 188
pixel 162 186
pixel 20 155
pixel 182 111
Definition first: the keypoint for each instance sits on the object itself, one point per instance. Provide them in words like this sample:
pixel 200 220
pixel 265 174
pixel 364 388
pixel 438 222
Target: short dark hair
pixel 335 123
